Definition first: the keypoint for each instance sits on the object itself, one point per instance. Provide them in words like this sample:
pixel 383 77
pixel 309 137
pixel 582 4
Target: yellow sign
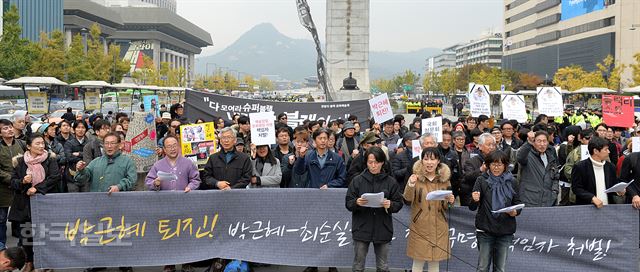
pixel 38 103
pixel 92 100
pixel 124 101
pixel 198 141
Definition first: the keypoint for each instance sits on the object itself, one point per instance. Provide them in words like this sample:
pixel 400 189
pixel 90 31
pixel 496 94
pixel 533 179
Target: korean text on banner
pixel 92 100
pixel 617 111
pixel 262 128
pixel 479 100
pixel 433 126
pixel 381 108
pixel 514 107
pixel 198 141
pixel 38 103
pixel 550 101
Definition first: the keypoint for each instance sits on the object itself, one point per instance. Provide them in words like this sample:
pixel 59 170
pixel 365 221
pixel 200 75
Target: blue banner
pixel 575 8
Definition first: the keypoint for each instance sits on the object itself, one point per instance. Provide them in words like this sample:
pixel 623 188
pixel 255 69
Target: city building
pixel 141 28
pixel 347 50
pixel 485 50
pixel 36 16
pixel 543 36
pixel 444 60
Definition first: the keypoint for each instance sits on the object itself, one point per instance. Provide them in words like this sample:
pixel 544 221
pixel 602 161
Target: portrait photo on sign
pixel 479 94
pixel 193 134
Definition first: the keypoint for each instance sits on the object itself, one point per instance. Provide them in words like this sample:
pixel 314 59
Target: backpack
pixel 237 266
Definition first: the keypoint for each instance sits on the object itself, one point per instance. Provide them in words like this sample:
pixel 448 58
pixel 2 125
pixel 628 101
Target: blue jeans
pixel 362 248
pixel 3 226
pixel 493 249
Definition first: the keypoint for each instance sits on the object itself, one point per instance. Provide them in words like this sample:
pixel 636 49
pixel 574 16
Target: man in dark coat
pixel 590 178
pixel 227 169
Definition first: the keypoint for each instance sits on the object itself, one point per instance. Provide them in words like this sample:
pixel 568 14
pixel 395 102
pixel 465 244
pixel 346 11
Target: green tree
pixel 265 84
pixel 431 82
pixel 385 85
pixel 464 75
pixel 16 54
pixel 51 56
pixel 147 74
pixel 570 77
pixel 448 81
pixel 76 66
pixel 613 70
pixel 493 77
pixel 635 70
pixel 250 81
pixel 528 81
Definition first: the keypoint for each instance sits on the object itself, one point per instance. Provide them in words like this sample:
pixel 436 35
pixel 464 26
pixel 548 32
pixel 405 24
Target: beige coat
pixel 429 230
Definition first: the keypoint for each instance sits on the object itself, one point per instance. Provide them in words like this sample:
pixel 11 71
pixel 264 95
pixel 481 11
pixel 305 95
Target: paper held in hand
pixel 510 208
pixel 374 200
pixel 164 176
pixel 618 187
pixel 438 194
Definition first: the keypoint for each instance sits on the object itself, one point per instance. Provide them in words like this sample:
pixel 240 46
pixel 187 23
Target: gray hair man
pixel 474 167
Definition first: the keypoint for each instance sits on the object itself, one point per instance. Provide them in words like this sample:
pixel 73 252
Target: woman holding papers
pixel 494 191
pixel 429 230
pixel 591 178
pixel 372 222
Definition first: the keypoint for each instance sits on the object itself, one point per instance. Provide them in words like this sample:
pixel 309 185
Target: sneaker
pixel 169 268
pixel 126 269
pixel 333 269
pixel 311 269
pixel 94 269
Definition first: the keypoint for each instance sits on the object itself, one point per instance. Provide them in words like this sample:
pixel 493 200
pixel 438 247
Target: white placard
pixel 514 107
pixel 438 195
pixel 416 149
pixel 550 101
pixel 635 144
pixel 262 128
pixel 479 100
pixel 381 108
pixel 373 200
pixel 433 126
pixel 584 152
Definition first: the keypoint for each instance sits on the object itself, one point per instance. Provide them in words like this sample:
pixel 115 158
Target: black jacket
pixel 471 174
pixel 237 172
pixel 583 181
pixel 21 205
pixel 450 158
pixel 504 224
pixel 401 163
pixel 359 164
pixel 71 146
pixel 373 224
pixel 631 170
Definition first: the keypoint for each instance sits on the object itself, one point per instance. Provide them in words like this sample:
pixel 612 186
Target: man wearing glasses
pixel 227 169
pixel 538 171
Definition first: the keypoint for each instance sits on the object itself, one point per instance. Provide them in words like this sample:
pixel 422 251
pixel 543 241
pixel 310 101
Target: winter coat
pixel 7 153
pixel 504 224
pixel 333 174
pixel 429 228
pixel 358 165
pixel 92 150
pixel 71 146
pixel 373 224
pixel 21 206
pixel 471 174
pixel 583 181
pixel 237 172
pixel 270 177
pixel 284 164
pixel 400 166
pixel 104 172
pixel 57 149
pixel 538 184
pixel 343 148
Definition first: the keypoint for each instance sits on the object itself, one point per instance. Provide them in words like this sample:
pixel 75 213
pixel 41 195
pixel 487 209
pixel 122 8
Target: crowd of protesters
pixel 487 164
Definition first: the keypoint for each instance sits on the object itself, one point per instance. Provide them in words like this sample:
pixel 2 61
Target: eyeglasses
pixel 227 138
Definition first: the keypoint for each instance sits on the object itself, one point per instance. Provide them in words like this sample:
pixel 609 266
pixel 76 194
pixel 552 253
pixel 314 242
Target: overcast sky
pixel 395 25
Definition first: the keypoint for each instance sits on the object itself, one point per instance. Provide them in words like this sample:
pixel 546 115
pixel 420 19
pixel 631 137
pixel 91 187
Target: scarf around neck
pixel 501 190
pixel 34 167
